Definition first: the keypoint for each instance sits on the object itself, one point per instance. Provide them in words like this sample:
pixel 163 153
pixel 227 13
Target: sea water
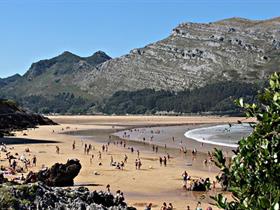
pixel 223 135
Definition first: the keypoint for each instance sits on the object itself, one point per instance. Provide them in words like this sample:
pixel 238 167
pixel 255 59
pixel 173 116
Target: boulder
pixel 59 175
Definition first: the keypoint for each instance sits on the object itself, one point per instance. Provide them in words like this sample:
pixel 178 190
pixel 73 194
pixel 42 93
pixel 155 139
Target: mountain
pixel 8 80
pixel 55 85
pixel 193 56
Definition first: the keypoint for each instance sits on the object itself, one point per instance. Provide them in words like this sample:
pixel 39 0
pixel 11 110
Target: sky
pixel 32 30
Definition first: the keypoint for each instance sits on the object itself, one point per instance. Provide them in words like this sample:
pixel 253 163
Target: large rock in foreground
pixel 59 175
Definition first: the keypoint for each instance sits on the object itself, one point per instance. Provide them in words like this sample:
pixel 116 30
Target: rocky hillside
pixel 193 56
pixel 13 117
pixel 8 80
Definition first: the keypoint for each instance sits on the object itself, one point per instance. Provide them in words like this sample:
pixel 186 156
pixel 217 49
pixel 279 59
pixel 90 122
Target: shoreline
pixel 214 143
pixel 188 142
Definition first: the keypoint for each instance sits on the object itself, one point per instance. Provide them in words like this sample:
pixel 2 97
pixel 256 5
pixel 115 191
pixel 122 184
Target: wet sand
pixel 14 140
pixel 170 137
pixel 153 183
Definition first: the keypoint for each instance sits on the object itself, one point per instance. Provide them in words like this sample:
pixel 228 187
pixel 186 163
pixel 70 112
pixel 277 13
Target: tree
pixel 253 176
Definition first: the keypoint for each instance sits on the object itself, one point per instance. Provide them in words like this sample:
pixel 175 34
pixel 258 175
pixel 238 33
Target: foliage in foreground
pixel 253 177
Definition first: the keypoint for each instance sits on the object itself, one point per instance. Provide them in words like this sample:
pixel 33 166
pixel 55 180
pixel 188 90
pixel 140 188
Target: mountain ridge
pixel 194 55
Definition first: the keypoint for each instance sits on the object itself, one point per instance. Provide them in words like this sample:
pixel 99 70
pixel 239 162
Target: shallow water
pixel 224 135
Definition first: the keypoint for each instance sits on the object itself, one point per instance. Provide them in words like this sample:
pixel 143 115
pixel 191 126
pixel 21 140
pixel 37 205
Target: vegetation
pixel 253 176
pixel 215 98
pixel 64 102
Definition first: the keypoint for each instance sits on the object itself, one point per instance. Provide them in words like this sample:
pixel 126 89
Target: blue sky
pixel 31 30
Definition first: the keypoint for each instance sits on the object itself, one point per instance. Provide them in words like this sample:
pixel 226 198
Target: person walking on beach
pixel 160 161
pixel 57 149
pixel 185 178
pixel 85 149
pixel 34 160
pixel 73 145
pixel 138 153
pixel 164 161
pixel 125 158
pixel 139 164
pixel 112 160
pixel 136 164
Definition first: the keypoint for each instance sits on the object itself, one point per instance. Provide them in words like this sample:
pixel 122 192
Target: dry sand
pixel 152 183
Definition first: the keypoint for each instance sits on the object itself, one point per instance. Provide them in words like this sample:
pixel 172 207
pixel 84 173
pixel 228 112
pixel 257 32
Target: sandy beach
pixel 153 183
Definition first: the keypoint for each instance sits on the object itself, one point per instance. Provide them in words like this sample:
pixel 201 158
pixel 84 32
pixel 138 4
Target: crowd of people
pixel 164 206
pixel 89 149
pixel 17 164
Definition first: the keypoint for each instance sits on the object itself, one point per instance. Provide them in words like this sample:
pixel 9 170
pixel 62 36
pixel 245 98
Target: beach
pixel 152 183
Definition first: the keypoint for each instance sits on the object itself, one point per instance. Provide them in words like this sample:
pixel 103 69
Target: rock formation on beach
pixel 194 55
pixel 59 175
pixel 42 190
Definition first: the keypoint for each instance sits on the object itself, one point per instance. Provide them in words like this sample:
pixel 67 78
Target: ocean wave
pixel 221 135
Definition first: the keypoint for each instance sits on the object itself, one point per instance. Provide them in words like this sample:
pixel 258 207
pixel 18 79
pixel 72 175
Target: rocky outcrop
pixel 39 196
pixel 194 55
pixel 12 117
pixel 59 175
